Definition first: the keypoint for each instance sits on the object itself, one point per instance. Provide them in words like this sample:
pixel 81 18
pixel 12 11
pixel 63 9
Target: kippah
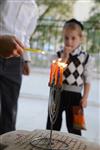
pixel 74 21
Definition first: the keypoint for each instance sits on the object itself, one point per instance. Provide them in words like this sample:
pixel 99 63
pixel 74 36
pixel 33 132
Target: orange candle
pixel 56 73
pixel 52 72
pixel 50 78
pixel 61 75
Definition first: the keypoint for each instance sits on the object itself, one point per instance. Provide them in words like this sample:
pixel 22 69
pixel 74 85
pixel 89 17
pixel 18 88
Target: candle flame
pixel 56 72
pixel 54 61
pixel 60 63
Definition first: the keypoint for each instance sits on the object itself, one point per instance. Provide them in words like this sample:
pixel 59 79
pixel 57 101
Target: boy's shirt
pixel 78 70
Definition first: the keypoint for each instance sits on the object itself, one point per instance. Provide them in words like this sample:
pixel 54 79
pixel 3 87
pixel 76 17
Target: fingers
pixel 10 45
pixel 83 103
pixel 66 52
pixel 15 53
pixel 26 69
pixel 67 49
pixel 19 47
pixel 18 50
pixel 19 43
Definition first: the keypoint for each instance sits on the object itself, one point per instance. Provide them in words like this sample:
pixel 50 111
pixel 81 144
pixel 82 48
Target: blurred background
pixel 48 34
pixel 33 101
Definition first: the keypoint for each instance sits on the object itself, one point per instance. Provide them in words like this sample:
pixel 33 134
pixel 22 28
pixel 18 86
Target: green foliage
pixel 49 29
pixel 97 1
pixel 58 9
pixel 92 26
pixel 49 25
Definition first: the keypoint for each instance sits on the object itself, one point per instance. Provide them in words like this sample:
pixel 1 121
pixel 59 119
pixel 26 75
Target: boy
pixel 76 75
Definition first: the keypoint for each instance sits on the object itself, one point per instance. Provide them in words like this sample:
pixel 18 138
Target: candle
pixel 53 68
pixel 56 73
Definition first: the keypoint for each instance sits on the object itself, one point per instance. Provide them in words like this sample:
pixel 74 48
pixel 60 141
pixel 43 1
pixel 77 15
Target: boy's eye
pixel 66 38
pixel 73 38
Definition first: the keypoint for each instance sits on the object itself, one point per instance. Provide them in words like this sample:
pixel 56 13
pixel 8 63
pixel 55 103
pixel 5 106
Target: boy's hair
pixel 72 22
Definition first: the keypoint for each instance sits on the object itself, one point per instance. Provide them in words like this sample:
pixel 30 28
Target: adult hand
pixel 10 46
pixel 26 69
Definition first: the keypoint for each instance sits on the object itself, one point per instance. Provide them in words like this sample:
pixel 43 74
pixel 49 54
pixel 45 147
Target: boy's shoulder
pixel 79 52
pixel 84 52
pixel 83 56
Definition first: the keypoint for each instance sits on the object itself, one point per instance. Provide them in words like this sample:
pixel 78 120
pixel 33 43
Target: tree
pixel 93 28
pixel 59 9
pixel 51 21
pixel 48 32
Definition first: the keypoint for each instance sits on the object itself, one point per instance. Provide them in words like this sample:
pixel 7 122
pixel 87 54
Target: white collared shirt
pixel 19 18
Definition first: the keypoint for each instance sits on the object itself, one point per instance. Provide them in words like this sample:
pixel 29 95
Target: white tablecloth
pixel 21 140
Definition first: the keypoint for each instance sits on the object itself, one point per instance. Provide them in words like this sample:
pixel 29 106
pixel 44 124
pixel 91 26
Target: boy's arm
pixel 86 91
pixel 88 71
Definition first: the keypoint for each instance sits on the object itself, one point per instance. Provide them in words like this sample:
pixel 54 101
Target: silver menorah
pixel 53 107
pixel 54 102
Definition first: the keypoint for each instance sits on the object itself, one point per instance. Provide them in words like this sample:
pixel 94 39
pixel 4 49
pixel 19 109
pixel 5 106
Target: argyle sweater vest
pixel 74 73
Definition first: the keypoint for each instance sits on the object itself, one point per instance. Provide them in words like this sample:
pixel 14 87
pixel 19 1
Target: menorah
pixel 55 83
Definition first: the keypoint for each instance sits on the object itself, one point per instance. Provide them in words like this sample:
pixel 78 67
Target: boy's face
pixel 72 39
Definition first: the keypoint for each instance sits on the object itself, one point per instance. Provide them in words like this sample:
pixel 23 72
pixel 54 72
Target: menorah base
pixel 46 144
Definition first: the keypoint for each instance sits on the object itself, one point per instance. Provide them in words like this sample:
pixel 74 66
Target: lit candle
pixel 61 75
pixel 56 73
pixel 52 72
